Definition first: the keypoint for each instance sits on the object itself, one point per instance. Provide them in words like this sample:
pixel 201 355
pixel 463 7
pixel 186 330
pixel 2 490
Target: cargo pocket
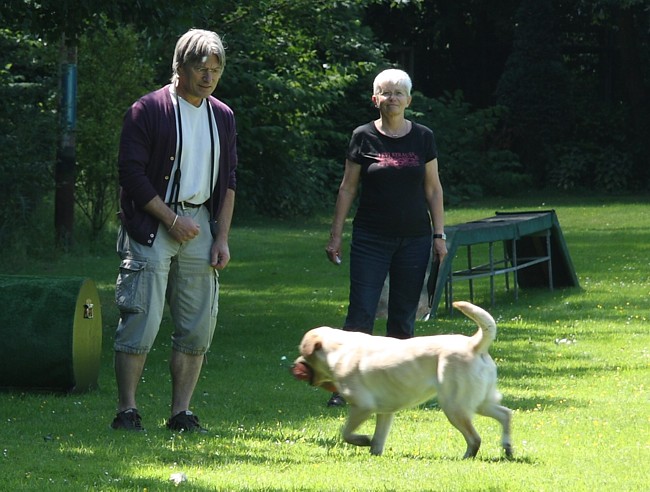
pixel 128 295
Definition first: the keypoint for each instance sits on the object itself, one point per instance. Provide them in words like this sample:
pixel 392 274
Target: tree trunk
pixel 64 172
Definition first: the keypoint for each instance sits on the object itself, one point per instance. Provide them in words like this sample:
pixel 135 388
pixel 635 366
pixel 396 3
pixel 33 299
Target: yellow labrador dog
pixel 381 375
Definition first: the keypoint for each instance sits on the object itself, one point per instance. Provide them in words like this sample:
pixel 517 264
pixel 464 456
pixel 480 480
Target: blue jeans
pixel 372 257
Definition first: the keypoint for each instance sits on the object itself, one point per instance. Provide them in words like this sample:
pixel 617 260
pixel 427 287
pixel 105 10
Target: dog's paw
pixel 508 450
pixel 358 439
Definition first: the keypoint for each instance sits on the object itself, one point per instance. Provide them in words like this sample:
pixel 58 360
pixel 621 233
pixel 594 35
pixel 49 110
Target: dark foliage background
pixel 522 95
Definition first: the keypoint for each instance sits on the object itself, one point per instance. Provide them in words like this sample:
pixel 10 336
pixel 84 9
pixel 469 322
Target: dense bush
pixel 587 166
pixel 471 163
pixel 598 153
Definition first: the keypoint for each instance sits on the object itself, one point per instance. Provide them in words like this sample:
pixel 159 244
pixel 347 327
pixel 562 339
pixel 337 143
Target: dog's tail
pixel 487 326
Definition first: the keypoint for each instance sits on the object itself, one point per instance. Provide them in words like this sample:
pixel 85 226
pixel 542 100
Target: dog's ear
pixel 310 344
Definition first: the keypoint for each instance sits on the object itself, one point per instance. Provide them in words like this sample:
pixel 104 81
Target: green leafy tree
pixel 448 46
pixel 607 51
pixel 292 78
pixel 27 129
pixel 292 65
pixel 114 70
pixel 63 23
pixel 535 87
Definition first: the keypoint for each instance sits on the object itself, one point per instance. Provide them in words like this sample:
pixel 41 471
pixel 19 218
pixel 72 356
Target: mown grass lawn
pixel 574 364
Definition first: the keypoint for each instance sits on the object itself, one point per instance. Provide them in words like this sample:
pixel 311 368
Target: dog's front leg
pixel 356 417
pixel 382 428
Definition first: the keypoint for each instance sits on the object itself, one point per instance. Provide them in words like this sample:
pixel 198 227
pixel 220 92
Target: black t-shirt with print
pixel 392 200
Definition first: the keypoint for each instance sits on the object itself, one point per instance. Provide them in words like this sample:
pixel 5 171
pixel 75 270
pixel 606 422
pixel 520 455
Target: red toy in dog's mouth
pixel 303 372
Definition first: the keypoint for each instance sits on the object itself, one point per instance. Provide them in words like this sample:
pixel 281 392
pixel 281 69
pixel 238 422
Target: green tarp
pixel 51 331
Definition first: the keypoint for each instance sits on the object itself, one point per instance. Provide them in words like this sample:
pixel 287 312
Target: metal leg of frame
pixel 491 259
pixel 506 261
pixel 550 259
pixel 515 280
pixel 469 269
pixel 449 291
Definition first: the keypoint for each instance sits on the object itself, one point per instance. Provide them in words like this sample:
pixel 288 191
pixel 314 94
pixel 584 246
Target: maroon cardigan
pixel 146 156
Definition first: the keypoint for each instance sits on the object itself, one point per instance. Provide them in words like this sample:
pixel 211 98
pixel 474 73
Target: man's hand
pixel 184 229
pixel 219 255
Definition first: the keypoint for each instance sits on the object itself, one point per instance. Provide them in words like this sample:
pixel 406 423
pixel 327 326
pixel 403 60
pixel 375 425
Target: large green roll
pixel 50 333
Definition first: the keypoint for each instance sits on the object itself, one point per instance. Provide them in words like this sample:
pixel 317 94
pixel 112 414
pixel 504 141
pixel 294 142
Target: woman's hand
pixel 333 250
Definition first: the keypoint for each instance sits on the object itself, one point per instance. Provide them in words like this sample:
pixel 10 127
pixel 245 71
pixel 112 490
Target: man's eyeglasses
pixel 205 70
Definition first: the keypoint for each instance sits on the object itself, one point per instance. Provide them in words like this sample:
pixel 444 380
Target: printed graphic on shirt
pixel 395 160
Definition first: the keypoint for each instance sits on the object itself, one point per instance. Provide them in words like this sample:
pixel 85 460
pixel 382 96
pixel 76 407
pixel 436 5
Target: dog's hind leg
pixel 503 415
pixel 463 423
pixel 382 428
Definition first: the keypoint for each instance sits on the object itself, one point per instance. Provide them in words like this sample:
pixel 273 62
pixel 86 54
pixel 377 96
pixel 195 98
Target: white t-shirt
pixel 195 155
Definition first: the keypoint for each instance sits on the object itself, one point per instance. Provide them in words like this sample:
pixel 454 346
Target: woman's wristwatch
pixel 442 236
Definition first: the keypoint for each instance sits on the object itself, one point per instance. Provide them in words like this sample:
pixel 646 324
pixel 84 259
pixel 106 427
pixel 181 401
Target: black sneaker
pixel 185 422
pixel 336 401
pixel 128 420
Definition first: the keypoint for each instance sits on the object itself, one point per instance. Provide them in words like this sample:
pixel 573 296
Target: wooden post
pixel 64 171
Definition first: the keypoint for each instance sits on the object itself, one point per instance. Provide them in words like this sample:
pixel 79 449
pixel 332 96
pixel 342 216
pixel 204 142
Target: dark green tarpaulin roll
pixel 50 333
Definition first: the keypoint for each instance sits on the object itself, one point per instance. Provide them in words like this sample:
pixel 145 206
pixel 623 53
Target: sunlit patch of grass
pixel 573 365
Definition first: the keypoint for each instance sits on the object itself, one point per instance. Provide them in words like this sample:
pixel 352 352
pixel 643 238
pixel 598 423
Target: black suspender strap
pixel 213 220
pixel 176 181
